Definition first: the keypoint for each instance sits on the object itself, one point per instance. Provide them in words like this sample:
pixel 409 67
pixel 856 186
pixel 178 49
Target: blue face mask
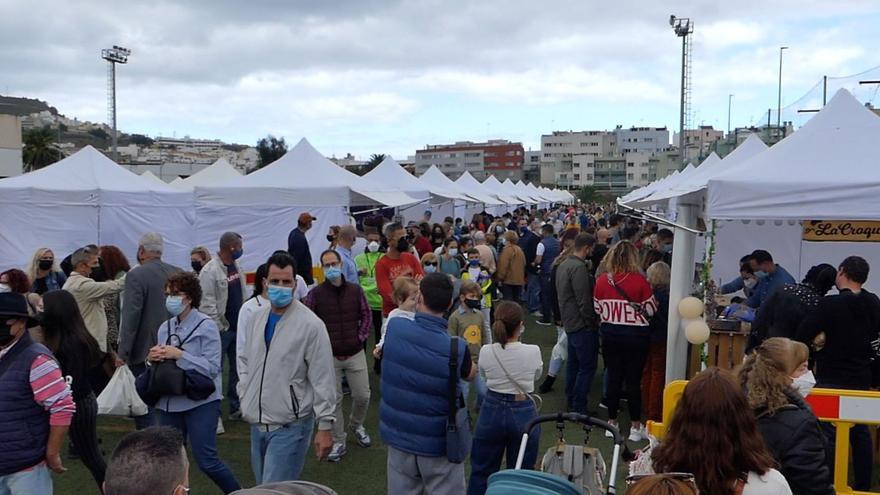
pixel 332 273
pixel 280 297
pixel 237 254
pixel 174 305
pixel 473 263
pixel 666 248
pixel 761 274
pixel 430 268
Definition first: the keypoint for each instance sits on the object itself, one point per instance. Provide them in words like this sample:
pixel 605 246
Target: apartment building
pixel 559 149
pixel 501 158
pixel 641 139
pixel 10 145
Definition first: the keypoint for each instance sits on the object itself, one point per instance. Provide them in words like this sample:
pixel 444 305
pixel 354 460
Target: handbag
pixel 640 310
pixel 458 423
pixel 166 377
pixel 535 398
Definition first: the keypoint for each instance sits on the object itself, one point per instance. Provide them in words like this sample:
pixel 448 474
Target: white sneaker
pixel 220 429
pixel 638 434
pixel 614 424
pixel 363 439
pixel 337 452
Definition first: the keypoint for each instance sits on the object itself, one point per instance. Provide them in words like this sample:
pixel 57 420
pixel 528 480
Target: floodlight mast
pixel 113 56
pixel 683 28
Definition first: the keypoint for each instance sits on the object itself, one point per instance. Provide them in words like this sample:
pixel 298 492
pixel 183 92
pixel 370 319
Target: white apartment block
pixel 558 151
pixel 641 139
pixel 10 146
pixel 698 142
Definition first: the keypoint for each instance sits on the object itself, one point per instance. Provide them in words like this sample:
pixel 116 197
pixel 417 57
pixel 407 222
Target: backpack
pixel 581 465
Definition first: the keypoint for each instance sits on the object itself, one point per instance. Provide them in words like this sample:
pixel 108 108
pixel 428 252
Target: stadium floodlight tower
pixel 113 56
pixel 683 28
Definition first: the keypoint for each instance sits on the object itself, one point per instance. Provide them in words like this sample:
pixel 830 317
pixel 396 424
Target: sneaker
pixel 220 429
pixel 537 314
pixel 638 434
pixel 614 424
pixel 363 439
pixel 544 323
pixel 235 416
pixel 337 452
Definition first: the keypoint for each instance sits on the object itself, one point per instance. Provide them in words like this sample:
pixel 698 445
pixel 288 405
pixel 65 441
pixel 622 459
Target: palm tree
pixel 375 160
pixel 40 149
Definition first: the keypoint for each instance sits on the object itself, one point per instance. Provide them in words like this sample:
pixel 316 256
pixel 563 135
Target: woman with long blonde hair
pixel 775 377
pixel 625 302
pixel 44 272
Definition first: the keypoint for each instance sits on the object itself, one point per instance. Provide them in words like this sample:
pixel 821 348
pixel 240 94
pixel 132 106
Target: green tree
pixel 588 194
pixel 375 160
pixel 39 149
pixel 270 149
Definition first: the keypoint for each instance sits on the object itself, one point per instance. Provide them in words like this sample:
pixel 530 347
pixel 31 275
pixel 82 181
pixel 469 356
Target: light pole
pixel 113 56
pixel 779 101
pixel 729 104
pixel 683 28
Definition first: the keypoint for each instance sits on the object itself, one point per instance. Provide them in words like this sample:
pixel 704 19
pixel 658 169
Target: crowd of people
pixel 446 304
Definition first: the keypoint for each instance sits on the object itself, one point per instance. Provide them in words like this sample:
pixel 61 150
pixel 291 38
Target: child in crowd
pixel 468 323
pixel 475 272
pixel 404 292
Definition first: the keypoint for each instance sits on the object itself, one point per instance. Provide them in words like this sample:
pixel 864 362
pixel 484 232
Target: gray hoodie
pixel 295 377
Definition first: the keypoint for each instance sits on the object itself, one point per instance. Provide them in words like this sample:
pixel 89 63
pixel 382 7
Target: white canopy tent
pixel 87 198
pixel 150 176
pixel 218 173
pixel 467 183
pixel 521 192
pixel 828 169
pixel 264 205
pixel 494 185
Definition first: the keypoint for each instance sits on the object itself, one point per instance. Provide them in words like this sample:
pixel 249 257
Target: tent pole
pixel 680 287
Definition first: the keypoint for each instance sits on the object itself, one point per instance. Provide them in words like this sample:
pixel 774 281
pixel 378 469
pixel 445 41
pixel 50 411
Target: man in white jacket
pixel 223 293
pixel 285 392
pixel 89 294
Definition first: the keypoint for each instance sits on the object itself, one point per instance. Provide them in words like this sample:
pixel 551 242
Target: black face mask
pixel 46 264
pixel 197 266
pixel 5 334
pixel 97 274
pixel 472 303
pixel 402 245
pixel 329 238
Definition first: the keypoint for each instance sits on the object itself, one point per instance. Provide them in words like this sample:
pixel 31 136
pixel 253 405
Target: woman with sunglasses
pixel 430 262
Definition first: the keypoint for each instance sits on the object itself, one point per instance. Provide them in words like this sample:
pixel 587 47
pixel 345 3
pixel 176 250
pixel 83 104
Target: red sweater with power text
pixel 618 316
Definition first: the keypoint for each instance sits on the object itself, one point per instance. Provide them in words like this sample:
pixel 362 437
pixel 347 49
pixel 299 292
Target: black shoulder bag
pixel 640 310
pixel 165 377
pixel 458 423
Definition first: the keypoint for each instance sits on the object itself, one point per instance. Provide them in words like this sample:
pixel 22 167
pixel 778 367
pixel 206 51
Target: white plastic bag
pixel 120 398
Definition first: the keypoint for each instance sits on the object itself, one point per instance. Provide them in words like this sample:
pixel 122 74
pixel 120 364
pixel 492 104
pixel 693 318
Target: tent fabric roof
pixel 216 174
pixel 89 177
pixel 391 173
pixel 467 183
pixel 150 176
pixel 521 192
pixel 700 178
pixel 303 177
pixel 500 191
pixel 436 179
pixel 828 169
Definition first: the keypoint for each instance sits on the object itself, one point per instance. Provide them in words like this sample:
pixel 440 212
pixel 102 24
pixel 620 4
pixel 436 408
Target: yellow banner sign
pixel 841 231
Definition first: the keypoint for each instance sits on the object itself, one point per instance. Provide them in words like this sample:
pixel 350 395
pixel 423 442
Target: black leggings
pixel 377 328
pixel 624 361
pixel 84 435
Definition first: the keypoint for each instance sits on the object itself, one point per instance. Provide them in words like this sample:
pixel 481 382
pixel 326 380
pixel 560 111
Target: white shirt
pixel 395 313
pixel 540 250
pixel 771 483
pixel 302 290
pixel 522 361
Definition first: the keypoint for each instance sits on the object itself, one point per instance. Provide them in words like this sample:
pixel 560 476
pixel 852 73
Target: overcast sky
pixel 382 76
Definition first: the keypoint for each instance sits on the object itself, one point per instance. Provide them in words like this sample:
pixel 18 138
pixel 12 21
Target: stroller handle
pixel 576 418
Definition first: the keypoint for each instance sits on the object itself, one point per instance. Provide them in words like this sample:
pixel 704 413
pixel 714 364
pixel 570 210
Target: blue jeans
pixel 547 298
pixel 861 444
pixel 200 426
pixel 279 455
pixel 583 358
pixel 533 293
pixel 498 434
pixel 227 347
pixel 465 387
pixel 35 480
pixel 148 420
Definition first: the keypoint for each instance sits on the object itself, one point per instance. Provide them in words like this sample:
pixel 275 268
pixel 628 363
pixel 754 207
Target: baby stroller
pixel 567 469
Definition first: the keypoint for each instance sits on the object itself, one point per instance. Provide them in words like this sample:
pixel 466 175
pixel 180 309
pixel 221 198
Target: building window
pixel 490 154
pixel 630 164
pixel 577 176
pixel 452 155
pixel 629 177
pixel 644 176
pixel 589 176
pixel 471 155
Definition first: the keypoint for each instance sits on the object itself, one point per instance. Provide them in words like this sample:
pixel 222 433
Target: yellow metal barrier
pixel 842 408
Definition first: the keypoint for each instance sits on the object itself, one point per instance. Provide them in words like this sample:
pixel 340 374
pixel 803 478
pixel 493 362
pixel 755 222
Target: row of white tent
pixel 87 198
pixel 762 198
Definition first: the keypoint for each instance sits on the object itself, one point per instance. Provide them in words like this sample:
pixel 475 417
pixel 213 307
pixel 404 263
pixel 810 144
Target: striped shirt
pixel 51 390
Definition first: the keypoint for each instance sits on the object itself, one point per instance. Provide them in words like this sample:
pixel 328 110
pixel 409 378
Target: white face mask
pixel 373 247
pixel 4 288
pixel 804 383
pixel 750 283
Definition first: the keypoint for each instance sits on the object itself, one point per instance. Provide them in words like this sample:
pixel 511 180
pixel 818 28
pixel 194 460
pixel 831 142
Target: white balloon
pixel 697 332
pixel 690 308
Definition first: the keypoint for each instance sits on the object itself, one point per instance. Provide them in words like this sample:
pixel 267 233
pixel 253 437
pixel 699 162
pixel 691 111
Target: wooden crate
pixel 726 349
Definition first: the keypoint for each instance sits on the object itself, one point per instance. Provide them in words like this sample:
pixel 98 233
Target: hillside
pixel 23 106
